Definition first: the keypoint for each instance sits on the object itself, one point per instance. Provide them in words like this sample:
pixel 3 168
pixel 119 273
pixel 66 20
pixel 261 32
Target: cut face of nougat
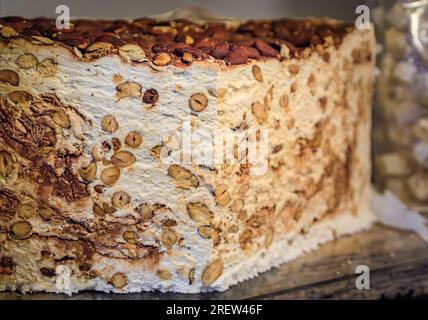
pixel 102 186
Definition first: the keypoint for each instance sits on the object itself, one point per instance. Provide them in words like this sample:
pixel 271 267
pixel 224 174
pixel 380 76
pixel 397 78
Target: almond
pixel 257 73
pixel 222 196
pixel 259 111
pixel 42 40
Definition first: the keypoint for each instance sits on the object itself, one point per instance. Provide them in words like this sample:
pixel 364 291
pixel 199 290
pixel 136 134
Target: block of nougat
pixel 178 156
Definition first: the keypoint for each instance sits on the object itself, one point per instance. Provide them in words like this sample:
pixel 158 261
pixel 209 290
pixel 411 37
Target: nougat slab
pixel 98 190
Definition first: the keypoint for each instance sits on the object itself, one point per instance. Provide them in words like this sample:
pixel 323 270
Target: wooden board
pixel 398 263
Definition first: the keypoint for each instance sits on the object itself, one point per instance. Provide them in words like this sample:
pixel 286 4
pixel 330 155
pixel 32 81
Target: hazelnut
pixel 27 61
pixel 48 272
pixel 199 212
pixel 10 77
pixel 157 151
pixel 118 280
pixel 47 68
pixel 212 272
pixel 116 144
pixel 187 57
pixel 151 96
pixel 134 139
pixel 20 96
pixel 146 212
pixel 237 205
pixel 26 211
pixel 183 178
pixel 169 238
pixel 88 172
pixel 164 274
pixel 132 52
pixel 222 196
pixel 123 159
pixel 246 237
pixel 110 175
pixel 98 210
pixel 257 73
pixel 205 231
pixel 198 102
pixel 120 199
pixel 99 188
pixel 128 89
pixel 162 59
pixel 8 32
pixel 294 68
pixel 98 49
pixel 62 119
pixel 46 212
pixel 130 237
pixel 21 230
pixel 109 124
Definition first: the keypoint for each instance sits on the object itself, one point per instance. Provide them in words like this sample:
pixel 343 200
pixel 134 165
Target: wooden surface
pixel 398 263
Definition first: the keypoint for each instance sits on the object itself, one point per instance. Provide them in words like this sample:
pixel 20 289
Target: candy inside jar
pixel 400 130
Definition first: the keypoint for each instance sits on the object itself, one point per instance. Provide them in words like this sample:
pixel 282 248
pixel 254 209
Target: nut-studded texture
pixel 163 42
pixel 95 181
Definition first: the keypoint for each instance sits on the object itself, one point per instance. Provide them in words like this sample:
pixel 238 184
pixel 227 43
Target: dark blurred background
pixel 342 9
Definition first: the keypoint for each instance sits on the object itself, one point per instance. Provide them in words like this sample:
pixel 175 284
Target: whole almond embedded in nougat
pixel 86 125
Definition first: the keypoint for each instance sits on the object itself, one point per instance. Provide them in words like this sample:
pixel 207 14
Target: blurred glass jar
pixel 400 131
